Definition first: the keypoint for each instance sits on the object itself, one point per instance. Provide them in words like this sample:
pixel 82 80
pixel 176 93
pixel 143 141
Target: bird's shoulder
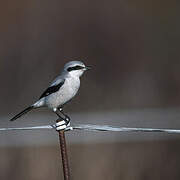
pixel 57 80
pixel 54 86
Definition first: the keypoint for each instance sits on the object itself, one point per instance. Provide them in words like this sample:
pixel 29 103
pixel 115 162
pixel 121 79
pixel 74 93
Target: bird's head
pixel 75 68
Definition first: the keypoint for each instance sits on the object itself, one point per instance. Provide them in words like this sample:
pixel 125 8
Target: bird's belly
pixel 61 97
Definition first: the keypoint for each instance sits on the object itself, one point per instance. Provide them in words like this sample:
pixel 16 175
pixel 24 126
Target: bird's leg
pixel 62 124
pixel 67 118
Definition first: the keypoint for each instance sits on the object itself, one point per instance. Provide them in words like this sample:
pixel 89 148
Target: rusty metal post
pixel 64 155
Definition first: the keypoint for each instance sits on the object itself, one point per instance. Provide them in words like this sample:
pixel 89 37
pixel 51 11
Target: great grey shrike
pixel 60 92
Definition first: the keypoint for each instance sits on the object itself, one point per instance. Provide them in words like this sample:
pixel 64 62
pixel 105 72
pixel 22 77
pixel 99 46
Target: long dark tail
pixel 22 113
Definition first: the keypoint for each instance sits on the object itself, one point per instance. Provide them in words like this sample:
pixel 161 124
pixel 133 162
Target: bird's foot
pixel 67 119
pixel 62 125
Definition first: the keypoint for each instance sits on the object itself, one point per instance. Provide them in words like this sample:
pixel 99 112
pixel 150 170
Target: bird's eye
pixel 74 68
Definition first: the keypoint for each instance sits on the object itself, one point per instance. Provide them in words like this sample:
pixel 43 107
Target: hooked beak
pixel 87 68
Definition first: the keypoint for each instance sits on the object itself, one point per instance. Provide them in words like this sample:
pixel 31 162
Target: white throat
pixel 76 73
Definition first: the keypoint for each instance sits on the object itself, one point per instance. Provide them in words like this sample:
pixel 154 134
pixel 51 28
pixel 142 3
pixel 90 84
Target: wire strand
pixel 98 128
pixel 28 128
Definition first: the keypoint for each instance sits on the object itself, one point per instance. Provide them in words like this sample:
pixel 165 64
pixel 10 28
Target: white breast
pixel 65 93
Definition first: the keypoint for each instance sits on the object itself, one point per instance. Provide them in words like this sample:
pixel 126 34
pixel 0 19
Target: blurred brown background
pixel 133 47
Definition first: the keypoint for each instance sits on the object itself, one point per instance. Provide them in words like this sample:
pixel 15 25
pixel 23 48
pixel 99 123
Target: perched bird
pixel 61 91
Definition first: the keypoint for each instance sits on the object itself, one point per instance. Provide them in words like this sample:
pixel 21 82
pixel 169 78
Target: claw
pixel 67 119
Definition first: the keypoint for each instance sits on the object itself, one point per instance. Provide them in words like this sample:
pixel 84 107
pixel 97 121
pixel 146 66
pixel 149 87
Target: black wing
pixel 52 89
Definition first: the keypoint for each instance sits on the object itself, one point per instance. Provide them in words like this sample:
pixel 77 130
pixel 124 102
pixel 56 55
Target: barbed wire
pixel 91 127
pixel 28 128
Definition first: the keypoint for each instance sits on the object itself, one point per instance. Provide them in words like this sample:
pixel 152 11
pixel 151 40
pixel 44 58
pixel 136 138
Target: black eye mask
pixel 75 68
